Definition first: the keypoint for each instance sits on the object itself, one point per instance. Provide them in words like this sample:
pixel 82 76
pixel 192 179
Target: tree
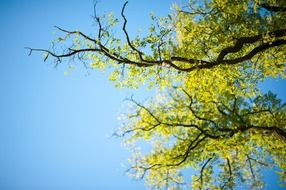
pixel 205 59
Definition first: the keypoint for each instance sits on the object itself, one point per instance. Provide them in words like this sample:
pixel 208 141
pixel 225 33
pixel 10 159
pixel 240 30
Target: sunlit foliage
pixel 205 60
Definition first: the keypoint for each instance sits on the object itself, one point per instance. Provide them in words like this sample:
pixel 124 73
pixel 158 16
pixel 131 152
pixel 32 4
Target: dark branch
pixel 253 52
pixel 273 7
pixel 202 171
pixel 191 147
pixel 250 167
pixel 146 109
pixel 195 64
pixel 240 42
pixel 77 33
pixel 127 35
pixel 229 173
pixel 273 129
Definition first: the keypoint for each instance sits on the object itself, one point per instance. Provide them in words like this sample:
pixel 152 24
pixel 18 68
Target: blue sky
pixel 54 129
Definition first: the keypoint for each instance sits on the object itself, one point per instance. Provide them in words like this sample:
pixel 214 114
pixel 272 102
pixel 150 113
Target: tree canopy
pixel 205 59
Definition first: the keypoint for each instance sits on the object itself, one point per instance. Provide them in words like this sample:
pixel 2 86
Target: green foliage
pixel 206 61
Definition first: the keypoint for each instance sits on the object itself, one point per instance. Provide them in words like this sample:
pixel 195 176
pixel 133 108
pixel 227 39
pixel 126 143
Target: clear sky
pixel 54 129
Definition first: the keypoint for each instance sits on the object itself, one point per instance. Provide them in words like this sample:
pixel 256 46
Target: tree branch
pixel 127 35
pixel 273 8
pixel 202 170
pixel 240 42
pixel 191 147
pixel 250 167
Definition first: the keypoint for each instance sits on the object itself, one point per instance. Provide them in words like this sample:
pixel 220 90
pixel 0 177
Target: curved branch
pixel 254 51
pixel 78 33
pixel 202 170
pixel 240 42
pixel 191 147
pixel 127 35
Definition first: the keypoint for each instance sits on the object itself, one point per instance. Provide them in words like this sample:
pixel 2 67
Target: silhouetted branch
pixel 273 8
pixel 202 171
pixel 250 167
pixel 127 35
pixel 102 49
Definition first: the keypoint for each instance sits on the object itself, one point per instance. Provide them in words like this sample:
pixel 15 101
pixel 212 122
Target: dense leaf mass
pixel 205 59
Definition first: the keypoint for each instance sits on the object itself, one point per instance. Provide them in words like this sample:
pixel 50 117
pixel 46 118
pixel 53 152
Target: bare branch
pixel 127 35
